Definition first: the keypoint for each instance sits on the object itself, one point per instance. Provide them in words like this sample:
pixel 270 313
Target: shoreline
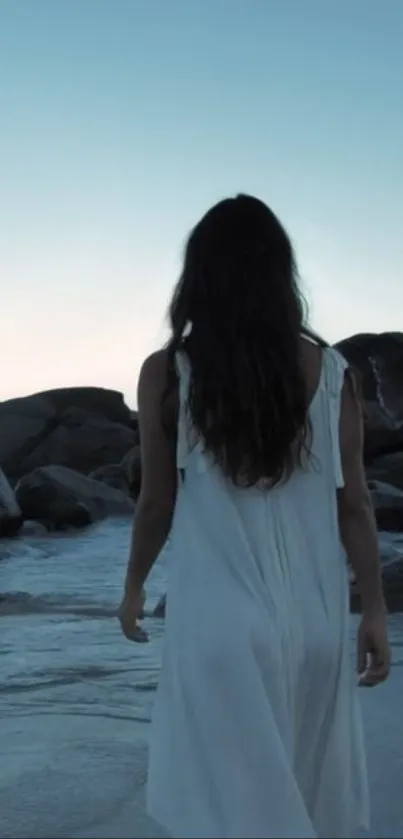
pixel 81 775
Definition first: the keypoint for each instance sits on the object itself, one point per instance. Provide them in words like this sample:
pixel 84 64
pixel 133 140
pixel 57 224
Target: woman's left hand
pixel 130 612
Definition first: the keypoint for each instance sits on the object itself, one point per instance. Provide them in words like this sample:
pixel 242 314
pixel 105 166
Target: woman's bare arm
pixel 156 502
pixel 356 515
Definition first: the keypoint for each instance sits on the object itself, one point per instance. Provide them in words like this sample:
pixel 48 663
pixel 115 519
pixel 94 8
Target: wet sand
pixel 76 698
pixel 77 776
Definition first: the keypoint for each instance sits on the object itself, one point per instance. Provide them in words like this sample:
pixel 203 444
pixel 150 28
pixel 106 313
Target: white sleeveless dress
pixel 256 730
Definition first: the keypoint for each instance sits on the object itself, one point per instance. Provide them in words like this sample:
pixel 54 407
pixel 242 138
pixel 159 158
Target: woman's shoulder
pixel 158 386
pixel 154 373
pixel 154 368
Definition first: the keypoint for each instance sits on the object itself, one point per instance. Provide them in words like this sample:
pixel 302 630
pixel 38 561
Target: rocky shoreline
pixel 71 456
pixel 378 360
pixel 68 457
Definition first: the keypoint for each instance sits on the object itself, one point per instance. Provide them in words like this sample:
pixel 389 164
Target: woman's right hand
pixel 373 649
pixel 130 612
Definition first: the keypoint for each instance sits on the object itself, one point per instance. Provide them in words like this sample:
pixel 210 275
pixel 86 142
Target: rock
pixel 112 475
pixel 23 424
pixel 10 526
pixel 78 440
pixel 388 469
pixel 68 514
pixel 379 360
pixel 108 404
pixel 160 609
pixel 82 428
pixel 10 513
pixel 33 528
pixel 62 498
pixel 131 465
pixel 125 475
pixel 382 434
pixel 388 505
pixel 392 575
pixel 391 547
pixel 82 442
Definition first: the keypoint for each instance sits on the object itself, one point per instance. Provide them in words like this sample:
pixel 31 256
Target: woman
pixel 251 438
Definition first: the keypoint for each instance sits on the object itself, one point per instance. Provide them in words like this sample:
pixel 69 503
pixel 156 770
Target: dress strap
pixel 183 444
pixel 335 367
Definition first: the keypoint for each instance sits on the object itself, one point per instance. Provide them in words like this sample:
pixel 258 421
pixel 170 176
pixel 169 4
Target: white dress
pixel 256 730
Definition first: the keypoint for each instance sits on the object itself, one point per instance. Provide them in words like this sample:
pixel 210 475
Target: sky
pixel 123 121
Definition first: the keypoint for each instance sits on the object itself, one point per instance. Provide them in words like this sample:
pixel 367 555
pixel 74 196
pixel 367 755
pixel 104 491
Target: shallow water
pixel 61 646
pixel 76 698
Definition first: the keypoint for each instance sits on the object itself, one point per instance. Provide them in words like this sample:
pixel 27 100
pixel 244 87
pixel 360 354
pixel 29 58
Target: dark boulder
pixel 112 475
pixel 388 506
pixel 24 423
pixel 60 498
pixel 32 528
pixel 379 360
pixel 388 469
pixel 82 428
pixel 382 434
pixel 125 475
pixel 82 442
pixel 10 513
pixel 131 465
pixel 392 575
pixel 160 609
pixel 99 401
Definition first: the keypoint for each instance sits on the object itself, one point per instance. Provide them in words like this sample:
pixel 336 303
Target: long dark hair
pixel 238 313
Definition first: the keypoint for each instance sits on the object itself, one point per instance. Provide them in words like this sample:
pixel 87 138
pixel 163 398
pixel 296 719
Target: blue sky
pixel 122 121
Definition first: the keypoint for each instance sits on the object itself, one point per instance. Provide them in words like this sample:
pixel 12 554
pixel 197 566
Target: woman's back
pixel 301 510
pixel 257 639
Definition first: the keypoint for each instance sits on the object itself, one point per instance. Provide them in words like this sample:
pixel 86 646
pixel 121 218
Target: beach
pixel 76 698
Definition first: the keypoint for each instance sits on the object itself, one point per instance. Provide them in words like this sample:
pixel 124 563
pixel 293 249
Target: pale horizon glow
pixel 124 120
